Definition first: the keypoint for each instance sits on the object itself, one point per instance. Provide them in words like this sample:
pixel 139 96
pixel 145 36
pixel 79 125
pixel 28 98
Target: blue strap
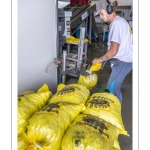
pixel 111 88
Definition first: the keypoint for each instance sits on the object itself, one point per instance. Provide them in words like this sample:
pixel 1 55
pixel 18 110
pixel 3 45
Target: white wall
pixel 125 13
pixel 37 44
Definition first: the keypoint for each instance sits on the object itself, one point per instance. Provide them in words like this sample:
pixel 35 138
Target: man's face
pixel 104 16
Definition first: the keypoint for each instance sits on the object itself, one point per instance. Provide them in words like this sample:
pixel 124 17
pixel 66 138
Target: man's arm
pixel 109 54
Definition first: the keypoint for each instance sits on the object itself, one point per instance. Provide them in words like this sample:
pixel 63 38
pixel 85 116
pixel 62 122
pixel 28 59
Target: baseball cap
pixel 100 7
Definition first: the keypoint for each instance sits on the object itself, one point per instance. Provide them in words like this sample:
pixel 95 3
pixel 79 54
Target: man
pixel 119 51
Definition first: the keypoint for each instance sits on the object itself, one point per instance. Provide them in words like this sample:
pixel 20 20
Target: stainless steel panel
pixel 37 44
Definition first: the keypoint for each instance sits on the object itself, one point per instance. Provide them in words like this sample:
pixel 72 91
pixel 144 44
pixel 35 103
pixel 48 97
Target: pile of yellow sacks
pixel 97 127
pixel 71 119
pixel 45 125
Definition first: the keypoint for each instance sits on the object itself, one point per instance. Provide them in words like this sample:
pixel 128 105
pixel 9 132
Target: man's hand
pixel 97 60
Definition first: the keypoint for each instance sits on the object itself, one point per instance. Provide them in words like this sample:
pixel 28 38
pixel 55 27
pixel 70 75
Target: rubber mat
pixel 102 88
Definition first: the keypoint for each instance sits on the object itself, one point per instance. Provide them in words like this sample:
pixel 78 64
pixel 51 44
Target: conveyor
pixel 79 13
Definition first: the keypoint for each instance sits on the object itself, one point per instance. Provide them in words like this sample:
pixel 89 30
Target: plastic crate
pixel 83 2
pixel 74 2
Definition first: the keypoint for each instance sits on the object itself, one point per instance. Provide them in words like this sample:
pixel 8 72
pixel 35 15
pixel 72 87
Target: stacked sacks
pixel 22 145
pixel 72 93
pixel 89 78
pixel 60 86
pixel 47 126
pixel 107 107
pixel 90 133
pixel 98 126
pixel 29 102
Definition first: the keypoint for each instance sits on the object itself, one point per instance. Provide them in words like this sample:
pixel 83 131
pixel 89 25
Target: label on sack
pixel 90 73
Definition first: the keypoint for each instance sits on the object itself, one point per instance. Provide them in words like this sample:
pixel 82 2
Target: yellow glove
pixel 96 67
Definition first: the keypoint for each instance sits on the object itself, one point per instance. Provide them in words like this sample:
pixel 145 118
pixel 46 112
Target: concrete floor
pixel 97 49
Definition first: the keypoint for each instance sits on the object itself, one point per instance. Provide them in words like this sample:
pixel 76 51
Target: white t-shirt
pixel 120 32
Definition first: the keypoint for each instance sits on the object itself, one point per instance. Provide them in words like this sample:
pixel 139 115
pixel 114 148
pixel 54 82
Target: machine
pixel 80 12
pixel 77 12
pixel 42 32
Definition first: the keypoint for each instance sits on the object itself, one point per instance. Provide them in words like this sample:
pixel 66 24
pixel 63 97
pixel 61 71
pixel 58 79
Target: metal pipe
pixel 90 28
pixel 85 50
pixel 81 46
pixel 68 47
pixel 60 51
pixel 64 67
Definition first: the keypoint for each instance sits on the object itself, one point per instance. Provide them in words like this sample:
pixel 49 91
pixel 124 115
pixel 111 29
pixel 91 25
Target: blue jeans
pixel 117 76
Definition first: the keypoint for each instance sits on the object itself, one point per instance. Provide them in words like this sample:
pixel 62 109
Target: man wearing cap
pixel 119 51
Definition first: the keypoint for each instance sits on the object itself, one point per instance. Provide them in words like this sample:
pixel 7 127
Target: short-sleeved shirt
pixel 120 32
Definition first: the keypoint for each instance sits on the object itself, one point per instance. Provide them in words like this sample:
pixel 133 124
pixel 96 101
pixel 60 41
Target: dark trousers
pixel 118 73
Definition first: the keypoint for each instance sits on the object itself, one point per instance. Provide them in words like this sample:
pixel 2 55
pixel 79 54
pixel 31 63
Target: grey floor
pixel 97 49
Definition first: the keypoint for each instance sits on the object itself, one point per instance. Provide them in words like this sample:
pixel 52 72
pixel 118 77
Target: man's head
pixel 105 9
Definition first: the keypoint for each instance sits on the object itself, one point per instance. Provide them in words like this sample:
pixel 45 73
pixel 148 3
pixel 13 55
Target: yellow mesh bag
pixel 60 87
pixel 116 145
pixel 89 133
pixel 33 147
pixel 28 104
pixel 95 67
pixel 44 88
pixel 107 107
pixel 49 99
pixel 72 39
pixel 46 127
pixel 21 145
pixel 88 79
pixel 25 93
pixel 72 93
